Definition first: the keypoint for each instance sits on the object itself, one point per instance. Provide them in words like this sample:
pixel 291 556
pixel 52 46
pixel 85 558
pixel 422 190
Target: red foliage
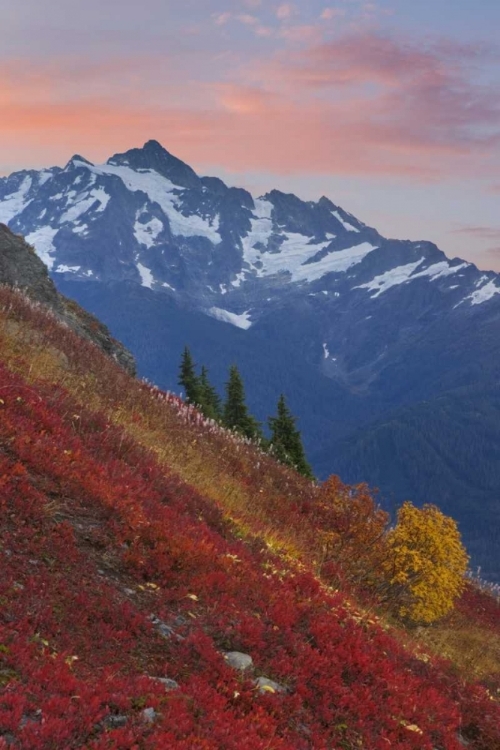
pixel 96 539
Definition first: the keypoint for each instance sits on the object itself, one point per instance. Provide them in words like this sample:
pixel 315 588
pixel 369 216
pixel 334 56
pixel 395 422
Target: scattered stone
pixel 168 683
pixel 237 660
pixel 35 718
pixel 163 629
pixel 265 685
pixel 115 721
pixel 150 715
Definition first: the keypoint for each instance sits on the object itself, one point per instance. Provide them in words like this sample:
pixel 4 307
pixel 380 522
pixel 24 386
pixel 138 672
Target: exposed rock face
pixel 20 267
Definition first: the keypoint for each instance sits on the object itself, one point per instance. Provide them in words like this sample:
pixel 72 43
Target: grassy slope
pixel 118 503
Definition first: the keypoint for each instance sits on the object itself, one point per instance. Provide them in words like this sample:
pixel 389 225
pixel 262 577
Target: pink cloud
pixel 329 13
pixel 487 233
pixel 365 105
pixel 303 34
pixel 284 11
pixel 424 95
pixel 221 19
pixel 247 19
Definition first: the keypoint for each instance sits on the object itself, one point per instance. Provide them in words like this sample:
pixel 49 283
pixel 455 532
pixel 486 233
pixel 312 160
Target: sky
pixel 390 108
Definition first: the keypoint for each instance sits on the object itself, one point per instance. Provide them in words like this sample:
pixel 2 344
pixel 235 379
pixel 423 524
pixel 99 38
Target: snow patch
pixel 42 241
pixel 16 202
pixel 336 262
pixel 162 191
pixel 146 233
pixel 403 274
pixel 147 278
pixel 344 223
pixel 67 269
pixel 484 294
pixel 383 282
pixel 80 229
pixel 44 176
pixel 295 250
pixel 83 203
pixel 240 321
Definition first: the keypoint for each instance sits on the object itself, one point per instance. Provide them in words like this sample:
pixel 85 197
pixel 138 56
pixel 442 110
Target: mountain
pixel 165 584
pixel 387 350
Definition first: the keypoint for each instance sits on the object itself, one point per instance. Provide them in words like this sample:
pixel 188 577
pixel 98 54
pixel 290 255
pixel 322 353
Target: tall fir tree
pixel 189 379
pixel 285 442
pixel 210 401
pixel 236 415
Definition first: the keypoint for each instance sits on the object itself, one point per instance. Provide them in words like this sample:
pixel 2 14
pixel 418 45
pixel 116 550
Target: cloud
pixel 248 19
pixel 329 13
pixel 422 97
pixel 221 19
pixel 365 105
pixel 303 34
pixel 284 11
pixel 487 233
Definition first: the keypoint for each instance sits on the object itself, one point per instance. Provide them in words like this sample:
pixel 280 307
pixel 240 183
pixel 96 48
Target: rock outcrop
pixel 20 267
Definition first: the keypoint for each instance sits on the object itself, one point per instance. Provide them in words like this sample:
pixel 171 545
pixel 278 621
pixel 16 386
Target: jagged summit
pixel 153 156
pixel 78 160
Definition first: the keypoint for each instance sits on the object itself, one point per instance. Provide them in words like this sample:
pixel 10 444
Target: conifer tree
pixel 285 442
pixel 236 415
pixel 210 401
pixel 188 378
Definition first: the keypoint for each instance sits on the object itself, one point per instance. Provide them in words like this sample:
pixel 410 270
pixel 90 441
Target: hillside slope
pixel 142 546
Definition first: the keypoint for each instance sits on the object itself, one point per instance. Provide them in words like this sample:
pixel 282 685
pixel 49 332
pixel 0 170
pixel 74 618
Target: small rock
pixel 237 660
pixel 150 715
pixel 168 683
pixel 265 685
pixel 462 740
pixel 163 629
pixel 115 721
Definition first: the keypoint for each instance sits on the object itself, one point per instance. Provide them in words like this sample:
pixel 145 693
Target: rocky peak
pixel 153 156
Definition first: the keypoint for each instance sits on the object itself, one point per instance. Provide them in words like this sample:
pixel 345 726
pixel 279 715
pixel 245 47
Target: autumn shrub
pixel 351 532
pixel 426 563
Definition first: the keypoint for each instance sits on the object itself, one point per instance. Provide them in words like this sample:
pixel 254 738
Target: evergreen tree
pixel 188 378
pixel 285 442
pixel 236 415
pixel 210 402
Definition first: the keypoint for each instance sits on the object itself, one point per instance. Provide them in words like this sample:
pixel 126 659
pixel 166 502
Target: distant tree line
pixel 284 443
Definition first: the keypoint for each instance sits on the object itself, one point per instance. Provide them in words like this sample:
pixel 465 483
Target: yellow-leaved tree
pixel 426 563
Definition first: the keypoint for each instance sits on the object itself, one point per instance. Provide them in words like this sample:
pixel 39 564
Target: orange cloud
pixel 346 109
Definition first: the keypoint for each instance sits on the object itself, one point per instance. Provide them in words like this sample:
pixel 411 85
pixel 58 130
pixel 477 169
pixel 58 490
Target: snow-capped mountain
pixel 389 351
pixel 147 217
